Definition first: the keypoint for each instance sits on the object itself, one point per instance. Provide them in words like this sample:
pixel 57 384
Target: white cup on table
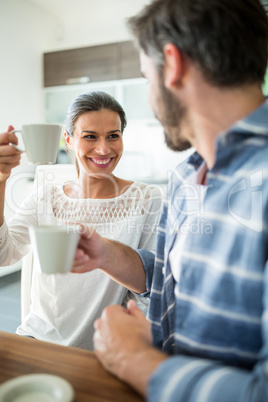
pixel 41 142
pixel 54 247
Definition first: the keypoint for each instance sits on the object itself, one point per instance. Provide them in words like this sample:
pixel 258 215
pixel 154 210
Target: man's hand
pixel 123 344
pixel 117 260
pixel 91 251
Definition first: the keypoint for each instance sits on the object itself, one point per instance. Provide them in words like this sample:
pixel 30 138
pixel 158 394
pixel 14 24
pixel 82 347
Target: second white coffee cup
pixel 41 142
pixel 54 247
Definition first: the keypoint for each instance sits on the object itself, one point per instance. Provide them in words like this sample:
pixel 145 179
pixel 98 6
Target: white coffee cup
pixel 54 247
pixel 41 142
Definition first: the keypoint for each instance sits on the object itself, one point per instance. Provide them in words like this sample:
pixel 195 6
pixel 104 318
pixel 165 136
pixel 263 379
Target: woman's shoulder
pixel 148 197
pixel 144 194
pixel 47 191
pixel 147 188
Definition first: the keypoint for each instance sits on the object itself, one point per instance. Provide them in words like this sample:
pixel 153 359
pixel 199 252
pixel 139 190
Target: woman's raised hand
pixel 9 156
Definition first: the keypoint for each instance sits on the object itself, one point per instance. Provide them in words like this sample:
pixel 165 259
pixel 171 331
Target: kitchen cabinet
pixel 96 63
pixel 108 62
pixel 129 61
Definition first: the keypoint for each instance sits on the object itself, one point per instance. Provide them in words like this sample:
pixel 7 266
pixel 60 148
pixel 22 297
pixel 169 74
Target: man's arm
pixel 119 261
pixel 188 379
pixel 123 344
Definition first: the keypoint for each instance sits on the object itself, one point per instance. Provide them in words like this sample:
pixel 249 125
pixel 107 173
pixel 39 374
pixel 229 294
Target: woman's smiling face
pixel 97 142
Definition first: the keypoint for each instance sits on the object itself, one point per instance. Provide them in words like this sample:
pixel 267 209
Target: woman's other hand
pixel 9 156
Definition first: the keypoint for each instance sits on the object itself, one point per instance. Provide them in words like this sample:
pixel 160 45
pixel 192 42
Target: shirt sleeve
pixel 147 242
pixel 188 379
pixel 148 260
pixel 14 237
pixel 152 211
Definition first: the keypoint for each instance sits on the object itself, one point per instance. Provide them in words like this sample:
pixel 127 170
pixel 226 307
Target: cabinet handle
pixel 78 80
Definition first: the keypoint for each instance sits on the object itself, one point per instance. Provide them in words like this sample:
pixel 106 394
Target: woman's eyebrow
pixel 88 131
pixel 95 132
pixel 114 131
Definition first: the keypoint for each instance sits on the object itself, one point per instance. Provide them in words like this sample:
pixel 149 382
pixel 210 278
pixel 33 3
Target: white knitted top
pixel 64 307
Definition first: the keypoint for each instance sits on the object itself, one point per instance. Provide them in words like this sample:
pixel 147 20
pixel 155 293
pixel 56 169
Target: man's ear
pixel 68 140
pixel 174 66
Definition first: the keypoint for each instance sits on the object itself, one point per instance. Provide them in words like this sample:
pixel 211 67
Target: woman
pixel 64 307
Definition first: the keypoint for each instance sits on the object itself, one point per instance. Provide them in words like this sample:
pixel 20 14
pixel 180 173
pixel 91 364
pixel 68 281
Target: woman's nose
pixel 102 148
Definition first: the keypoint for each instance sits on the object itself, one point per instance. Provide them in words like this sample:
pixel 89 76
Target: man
pixel 207 334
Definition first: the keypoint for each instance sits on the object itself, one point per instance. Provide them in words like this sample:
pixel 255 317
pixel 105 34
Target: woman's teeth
pixel 101 161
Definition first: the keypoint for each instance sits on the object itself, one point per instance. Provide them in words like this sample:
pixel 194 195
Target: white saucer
pixel 36 388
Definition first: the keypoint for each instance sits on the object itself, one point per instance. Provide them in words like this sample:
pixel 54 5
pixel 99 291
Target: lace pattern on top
pixel 132 203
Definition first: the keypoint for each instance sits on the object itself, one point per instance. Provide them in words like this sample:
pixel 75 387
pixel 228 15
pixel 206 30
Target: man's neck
pixel 214 110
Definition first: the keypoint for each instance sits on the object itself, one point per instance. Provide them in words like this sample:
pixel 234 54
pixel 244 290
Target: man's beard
pixel 177 144
pixel 172 120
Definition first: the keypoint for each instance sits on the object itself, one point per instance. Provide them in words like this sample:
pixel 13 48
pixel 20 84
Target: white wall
pixel 90 22
pixel 25 30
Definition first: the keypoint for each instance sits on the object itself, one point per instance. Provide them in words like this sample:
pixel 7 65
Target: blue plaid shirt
pixel 210 310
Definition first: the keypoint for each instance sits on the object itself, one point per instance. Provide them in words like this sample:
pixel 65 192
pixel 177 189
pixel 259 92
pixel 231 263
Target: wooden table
pixel 20 356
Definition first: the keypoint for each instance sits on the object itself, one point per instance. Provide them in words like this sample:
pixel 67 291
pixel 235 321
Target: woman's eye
pixel 90 137
pixel 113 136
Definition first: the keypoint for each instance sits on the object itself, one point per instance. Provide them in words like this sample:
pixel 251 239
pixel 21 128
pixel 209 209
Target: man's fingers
pixel 80 257
pixel 110 312
pixel 97 324
pixel 133 309
pixel 80 260
pixel 86 232
pixel 79 254
pixel 78 269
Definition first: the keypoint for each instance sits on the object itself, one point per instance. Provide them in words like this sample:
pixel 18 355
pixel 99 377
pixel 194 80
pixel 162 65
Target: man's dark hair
pixel 226 39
